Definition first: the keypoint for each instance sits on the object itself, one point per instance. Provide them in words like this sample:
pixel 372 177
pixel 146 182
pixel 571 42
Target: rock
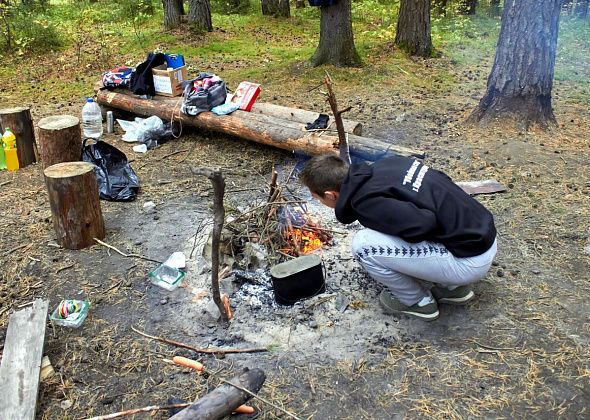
pixel 587 250
pixel 149 206
pixel 500 273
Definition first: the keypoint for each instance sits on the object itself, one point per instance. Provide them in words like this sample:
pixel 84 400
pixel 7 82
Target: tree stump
pixel 75 205
pixel 20 123
pixel 60 139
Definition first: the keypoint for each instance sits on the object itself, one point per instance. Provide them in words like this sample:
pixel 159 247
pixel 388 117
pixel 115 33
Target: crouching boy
pixel 419 226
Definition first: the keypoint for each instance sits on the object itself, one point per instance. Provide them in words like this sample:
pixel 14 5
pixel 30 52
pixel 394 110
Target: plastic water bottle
pixel 91 119
pixel 2 157
pixel 10 153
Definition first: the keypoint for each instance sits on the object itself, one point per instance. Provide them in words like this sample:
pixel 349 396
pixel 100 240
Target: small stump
pixel 75 204
pixel 20 123
pixel 60 139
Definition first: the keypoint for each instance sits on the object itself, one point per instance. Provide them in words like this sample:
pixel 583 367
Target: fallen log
pixel 303 116
pixel 224 399
pixel 263 129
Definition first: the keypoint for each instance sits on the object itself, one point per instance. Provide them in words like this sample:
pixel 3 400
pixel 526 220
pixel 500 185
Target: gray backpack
pixel 199 99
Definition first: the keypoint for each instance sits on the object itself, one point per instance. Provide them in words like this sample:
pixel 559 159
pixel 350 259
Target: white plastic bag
pixel 134 129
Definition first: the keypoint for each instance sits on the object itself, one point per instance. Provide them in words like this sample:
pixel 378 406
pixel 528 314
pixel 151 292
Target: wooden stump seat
pixel 60 139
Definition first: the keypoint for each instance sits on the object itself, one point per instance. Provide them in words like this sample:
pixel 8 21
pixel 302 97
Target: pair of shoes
pixel 457 296
pixel 426 309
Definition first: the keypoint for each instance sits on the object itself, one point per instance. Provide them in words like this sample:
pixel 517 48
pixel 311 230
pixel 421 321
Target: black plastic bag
pixel 142 79
pixel 116 179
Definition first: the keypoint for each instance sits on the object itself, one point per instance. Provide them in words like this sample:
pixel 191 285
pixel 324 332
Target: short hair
pixel 324 173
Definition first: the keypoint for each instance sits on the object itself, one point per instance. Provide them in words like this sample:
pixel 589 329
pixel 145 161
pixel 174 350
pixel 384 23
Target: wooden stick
pixel 200 350
pixel 218 181
pixel 273 185
pixel 140 410
pixel 123 254
pixel 261 399
pixel 174 153
pixel 342 136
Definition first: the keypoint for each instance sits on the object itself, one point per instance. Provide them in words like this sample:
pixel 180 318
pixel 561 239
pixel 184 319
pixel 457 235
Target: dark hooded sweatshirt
pixel 403 197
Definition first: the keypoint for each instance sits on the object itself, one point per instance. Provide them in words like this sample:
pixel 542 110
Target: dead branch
pixel 197 349
pixel 139 410
pixel 123 254
pixel 218 182
pixel 343 146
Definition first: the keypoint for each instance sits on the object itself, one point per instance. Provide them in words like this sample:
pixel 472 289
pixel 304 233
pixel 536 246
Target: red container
pixel 246 95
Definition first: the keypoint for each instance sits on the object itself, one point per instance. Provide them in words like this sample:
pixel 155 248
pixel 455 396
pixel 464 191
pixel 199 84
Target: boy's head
pixel 323 175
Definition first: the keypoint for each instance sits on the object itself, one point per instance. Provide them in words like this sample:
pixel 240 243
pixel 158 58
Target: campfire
pixel 302 233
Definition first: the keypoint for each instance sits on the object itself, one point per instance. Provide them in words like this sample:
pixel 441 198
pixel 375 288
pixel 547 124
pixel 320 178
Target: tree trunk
pixel 276 8
pixel 299 4
pixel 439 7
pixel 413 28
pixel 520 83
pixel 75 204
pixel 252 126
pixel 199 15
pixel 581 9
pixel 171 14
pixel 467 7
pixel 180 7
pixel 60 139
pixel 336 45
pixel 284 9
pixel 20 123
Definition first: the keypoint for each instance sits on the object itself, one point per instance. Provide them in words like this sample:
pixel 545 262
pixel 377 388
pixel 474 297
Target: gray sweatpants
pixel 397 264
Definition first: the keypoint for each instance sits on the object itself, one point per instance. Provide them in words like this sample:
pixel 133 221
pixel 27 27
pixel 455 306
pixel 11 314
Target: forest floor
pixel 520 350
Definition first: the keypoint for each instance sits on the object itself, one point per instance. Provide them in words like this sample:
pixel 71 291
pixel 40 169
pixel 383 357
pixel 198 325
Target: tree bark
pixel 20 123
pixel 199 15
pixel 171 14
pixel 336 46
pixel 60 139
pixel 259 128
pixel 581 9
pixel 413 28
pixel 75 204
pixel 520 83
pixel 180 7
pixel 299 4
pixel 221 402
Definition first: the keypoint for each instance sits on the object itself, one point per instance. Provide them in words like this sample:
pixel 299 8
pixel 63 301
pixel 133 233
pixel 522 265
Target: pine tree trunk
pixel 520 83
pixel 171 14
pixel 581 9
pixel 199 15
pixel 336 45
pixel 413 28
pixel 268 7
pixel 284 9
pixel 180 7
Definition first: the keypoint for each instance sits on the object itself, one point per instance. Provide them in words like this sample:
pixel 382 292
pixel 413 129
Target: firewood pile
pixel 282 226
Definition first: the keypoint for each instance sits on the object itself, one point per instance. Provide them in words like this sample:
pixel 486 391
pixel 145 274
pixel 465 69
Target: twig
pixel 319 228
pixel 199 350
pixel 140 410
pixel 64 268
pixel 16 248
pixel 175 153
pixel 493 348
pixel 5 183
pixel 260 398
pixel 125 255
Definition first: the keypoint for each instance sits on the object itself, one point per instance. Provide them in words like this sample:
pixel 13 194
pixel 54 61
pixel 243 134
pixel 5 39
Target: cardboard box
pixel 168 82
pixel 246 95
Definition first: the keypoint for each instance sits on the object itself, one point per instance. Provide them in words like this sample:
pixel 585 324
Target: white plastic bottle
pixel 91 119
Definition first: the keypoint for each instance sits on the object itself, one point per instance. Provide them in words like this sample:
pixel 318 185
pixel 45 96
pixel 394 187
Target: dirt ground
pixel 520 350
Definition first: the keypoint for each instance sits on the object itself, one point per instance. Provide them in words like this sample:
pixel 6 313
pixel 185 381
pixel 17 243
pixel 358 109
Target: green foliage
pixel 26 28
pixel 231 7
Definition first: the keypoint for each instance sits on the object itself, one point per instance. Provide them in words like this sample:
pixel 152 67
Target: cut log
pixel 264 129
pixel 60 139
pixel 21 362
pixel 224 399
pixel 303 116
pixel 75 205
pixel 21 124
